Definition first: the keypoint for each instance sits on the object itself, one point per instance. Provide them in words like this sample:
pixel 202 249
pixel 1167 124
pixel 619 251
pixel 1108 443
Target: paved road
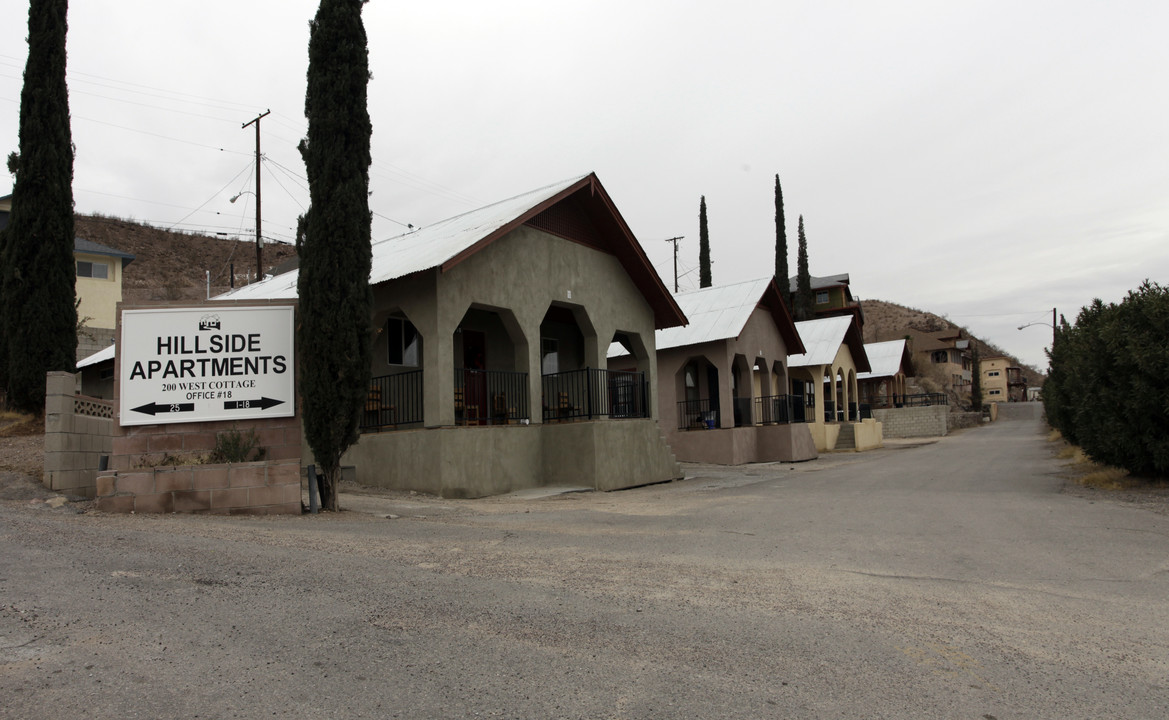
pixel 950 580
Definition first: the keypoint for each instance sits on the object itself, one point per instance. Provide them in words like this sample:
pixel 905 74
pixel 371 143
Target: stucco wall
pixel 467 462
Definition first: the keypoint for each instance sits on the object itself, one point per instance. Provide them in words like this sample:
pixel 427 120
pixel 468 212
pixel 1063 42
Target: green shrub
pixel 234 446
pixel 1108 387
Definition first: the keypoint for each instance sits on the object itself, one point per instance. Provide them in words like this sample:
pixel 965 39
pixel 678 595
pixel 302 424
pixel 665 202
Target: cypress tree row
pixel 703 246
pixel 804 303
pixel 781 268
pixel 333 333
pixel 40 314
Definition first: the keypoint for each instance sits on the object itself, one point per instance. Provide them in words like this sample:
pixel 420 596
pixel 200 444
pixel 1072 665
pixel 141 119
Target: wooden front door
pixel 475 377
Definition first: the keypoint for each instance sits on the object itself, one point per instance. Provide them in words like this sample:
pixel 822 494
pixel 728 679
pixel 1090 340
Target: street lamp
pixel 1051 325
pixel 259 240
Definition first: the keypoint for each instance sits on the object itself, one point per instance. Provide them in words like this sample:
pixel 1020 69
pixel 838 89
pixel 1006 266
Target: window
pixel 940 356
pixel 822 297
pixel 549 356
pixel 993 373
pixel 100 271
pixel 403 342
pixel 995 392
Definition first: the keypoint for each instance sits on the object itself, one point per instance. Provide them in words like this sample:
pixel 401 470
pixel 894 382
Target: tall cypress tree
pixel 336 303
pixel 40 313
pixel 703 246
pixel 781 270
pixel 975 377
pixel 804 303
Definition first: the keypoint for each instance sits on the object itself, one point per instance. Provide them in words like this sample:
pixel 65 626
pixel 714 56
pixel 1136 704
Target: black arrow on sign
pixel 155 408
pixel 263 403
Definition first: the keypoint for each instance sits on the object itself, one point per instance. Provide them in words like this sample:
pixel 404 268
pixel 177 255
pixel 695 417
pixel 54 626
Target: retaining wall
pixel 910 422
pixel 255 488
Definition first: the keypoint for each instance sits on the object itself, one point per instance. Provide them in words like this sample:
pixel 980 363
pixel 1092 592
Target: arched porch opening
pixel 697 384
pixel 490 358
pixel 395 387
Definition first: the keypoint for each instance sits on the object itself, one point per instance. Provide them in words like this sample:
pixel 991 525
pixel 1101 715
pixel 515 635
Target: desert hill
pixel 888 321
pixel 172 265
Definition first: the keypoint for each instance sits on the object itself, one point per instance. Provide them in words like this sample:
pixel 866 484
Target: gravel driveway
pixel 954 579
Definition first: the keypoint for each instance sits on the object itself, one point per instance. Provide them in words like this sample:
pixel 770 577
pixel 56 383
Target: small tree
pixel 805 302
pixel 781 269
pixel 333 335
pixel 975 378
pixel 703 246
pixel 39 278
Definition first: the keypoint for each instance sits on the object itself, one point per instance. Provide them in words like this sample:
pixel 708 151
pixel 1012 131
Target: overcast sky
pixel 984 160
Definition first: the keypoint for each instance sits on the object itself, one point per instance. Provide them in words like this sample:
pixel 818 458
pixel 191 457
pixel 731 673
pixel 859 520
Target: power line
pixel 229 182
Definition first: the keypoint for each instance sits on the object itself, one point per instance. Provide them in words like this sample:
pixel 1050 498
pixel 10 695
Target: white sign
pixel 205 363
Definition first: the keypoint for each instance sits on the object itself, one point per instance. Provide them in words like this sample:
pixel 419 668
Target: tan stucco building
pixel 723 379
pixel 884 386
pixel 490 373
pixel 826 376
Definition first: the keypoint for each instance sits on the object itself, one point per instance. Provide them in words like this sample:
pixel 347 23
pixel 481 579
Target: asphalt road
pixel 949 580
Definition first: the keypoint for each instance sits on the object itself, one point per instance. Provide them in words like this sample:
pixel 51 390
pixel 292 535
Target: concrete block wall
pixel 136 446
pixel 78 434
pixel 255 488
pixel 910 422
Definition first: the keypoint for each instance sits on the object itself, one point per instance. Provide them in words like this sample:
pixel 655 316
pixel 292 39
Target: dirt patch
pixel 1085 479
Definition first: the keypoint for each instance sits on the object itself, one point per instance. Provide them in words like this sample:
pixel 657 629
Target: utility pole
pixel 259 239
pixel 675 241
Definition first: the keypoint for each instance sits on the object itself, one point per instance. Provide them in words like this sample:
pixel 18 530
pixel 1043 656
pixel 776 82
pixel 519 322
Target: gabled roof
pixel 91 248
pixel 886 359
pixel 445 244
pixel 823 338
pixel 721 313
pixel 818 283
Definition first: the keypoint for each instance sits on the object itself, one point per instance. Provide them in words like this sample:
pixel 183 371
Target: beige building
pixel 723 379
pixel 826 377
pixel 994 379
pixel 99 290
pixel 490 373
pixel 942 355
pixel 884 386
pixel 1002 381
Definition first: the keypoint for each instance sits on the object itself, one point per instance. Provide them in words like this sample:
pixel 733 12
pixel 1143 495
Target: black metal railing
pixel 698 415
pixel 593 393
pixel 393 400
pixel 490 397
pixel 852 412
pixel 780 409
pixel 921 400
pixel 866 411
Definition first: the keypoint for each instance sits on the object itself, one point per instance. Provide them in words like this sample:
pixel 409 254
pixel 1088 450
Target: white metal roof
pixel 422 249
pixel 884 358
pixel 106 353
pixel 715 313
pixel 822 338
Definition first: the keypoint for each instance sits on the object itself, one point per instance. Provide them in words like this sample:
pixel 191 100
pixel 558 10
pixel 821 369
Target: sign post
pixel 206 363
